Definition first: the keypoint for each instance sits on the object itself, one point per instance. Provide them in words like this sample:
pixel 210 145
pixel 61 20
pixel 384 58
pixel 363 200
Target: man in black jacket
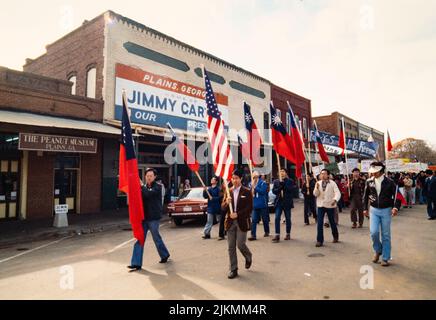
pixel 379 198
pixel 283 189
pixel 152 201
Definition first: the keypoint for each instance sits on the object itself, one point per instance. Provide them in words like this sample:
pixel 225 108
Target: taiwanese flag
pixel 298 144
pixel 188 157
pixel 321 149
pixel 281 140
pixel 129 178
pixel 342 138
pixel 389 143
pixel 245 150
pixel 254 141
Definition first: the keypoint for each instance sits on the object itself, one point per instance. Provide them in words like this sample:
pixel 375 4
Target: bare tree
pixel 414 149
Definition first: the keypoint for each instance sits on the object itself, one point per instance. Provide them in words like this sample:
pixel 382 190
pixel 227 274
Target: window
pixel 297 122
pixel 73 79
pixel 266 126
pixel 91 77
pixel 304 127
pixel 288 121
pixel 279 113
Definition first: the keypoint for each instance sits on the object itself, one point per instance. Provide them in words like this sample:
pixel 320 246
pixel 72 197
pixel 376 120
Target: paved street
pixel 198 268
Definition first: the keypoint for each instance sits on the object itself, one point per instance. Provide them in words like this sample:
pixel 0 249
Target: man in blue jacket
pixel 284 202
pixel 260 205
pixel 213 205
pixel 152 201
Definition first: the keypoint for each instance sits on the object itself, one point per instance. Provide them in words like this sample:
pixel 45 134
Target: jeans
pixel 287 212
pixel 381 218
pixel 138 250
pixel 257 214
pixel 309 207
pixel 209 223
pixel 331 216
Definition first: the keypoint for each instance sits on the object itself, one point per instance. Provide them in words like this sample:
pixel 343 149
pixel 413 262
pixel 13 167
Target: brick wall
pixel 74 54
pixel 40 186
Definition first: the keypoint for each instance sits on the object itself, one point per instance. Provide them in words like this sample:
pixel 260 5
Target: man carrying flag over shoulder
pixel 298 143
pixel 145 200
pixel 238 203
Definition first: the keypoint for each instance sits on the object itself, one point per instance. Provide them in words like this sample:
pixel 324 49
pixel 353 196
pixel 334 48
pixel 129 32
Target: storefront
pixel 50 147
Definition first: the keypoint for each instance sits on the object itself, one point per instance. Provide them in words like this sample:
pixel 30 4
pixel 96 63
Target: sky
pixel 373 60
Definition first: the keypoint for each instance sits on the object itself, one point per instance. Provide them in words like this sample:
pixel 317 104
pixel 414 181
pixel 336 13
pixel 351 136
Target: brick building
pixel 51 145
pixel 302 110
pixel 353 129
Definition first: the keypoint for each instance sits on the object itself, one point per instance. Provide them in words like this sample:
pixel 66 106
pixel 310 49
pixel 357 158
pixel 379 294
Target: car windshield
pixel 196 193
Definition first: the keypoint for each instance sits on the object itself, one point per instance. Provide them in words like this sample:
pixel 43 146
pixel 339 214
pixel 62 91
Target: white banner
pixel 365 164
pixel 317 169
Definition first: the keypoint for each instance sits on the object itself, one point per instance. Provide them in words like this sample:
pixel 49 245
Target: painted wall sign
pixel 157 99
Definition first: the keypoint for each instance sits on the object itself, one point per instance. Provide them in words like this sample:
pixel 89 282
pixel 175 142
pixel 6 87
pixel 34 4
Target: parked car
pixel 189 205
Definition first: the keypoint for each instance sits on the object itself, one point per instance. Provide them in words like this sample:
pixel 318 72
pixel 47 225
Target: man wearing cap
pixel 379 199
pixel 357 187
pixel 238 208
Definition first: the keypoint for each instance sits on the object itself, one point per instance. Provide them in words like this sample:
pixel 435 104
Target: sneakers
pixel 385 263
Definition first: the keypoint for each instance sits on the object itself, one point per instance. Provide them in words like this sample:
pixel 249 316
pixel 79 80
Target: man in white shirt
pixel 327 196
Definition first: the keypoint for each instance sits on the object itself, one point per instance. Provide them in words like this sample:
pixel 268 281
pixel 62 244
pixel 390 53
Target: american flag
pixel 221 154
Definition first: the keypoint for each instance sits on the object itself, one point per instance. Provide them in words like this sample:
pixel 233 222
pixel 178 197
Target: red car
pixel 190 205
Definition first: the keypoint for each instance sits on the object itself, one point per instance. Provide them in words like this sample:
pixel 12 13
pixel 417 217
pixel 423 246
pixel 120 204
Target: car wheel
pixel 178 221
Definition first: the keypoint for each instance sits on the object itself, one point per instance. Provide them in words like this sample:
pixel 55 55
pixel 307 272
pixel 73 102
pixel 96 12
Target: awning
pixel 30 119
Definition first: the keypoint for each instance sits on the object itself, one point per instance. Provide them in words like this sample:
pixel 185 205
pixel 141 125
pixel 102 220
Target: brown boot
pixel 376 257
pixel 276 239
pixel 354 225
pixel 360 225
pixel 288 237
pixel 318 244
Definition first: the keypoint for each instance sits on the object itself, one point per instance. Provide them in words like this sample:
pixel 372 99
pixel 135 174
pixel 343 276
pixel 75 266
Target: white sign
pixel 352 163
pixel 317 169
pixel 61 208
pixel 365 164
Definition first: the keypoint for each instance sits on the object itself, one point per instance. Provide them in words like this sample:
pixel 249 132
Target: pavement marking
pixel 121 245
pixel 34 249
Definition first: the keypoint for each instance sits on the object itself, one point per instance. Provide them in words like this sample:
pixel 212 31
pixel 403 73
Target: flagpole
pixel 225 181
pixel 317 150
pixel 196 172
pixel 300 129
pixel 346 158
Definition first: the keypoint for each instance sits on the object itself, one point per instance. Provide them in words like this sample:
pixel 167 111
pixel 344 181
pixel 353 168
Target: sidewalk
pixel 16 231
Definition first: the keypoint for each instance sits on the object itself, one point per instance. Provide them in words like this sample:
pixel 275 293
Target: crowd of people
pixel 241 205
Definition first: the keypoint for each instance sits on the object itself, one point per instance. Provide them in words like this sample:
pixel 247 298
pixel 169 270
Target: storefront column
pixel 23 185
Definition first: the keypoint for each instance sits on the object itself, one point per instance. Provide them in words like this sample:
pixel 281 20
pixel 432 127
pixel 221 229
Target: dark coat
pixel 386 198
pixel 361 185
pixel 152 201
pixel 312 183
pixel 245 207
pixel 284 199
pixel 214 204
